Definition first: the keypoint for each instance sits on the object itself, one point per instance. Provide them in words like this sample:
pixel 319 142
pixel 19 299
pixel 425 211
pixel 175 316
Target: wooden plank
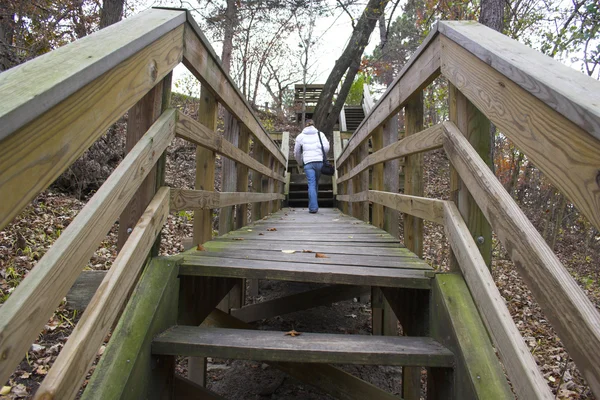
pixel 572 94
pixel 188 199
pixel 257 153
pixel 241 212
pixel 34 300
pixel 421 207
pixel 83 289
pixel 231 134
pixel 377 179
pixel 357 237
pixel 32 88
pixel 127 368
pixel 413 182
pixel 313 246
pixel 320 273
pixel 324 296
pixel 420 71
pixel 566 306
pixel 520 366
pixel 455 322
pixel 567 155
pixel 308 347
pixel 201 60
pixel 35 155
pixel 205 167
pixel 187 389
pixel 426 140
pixel 331 380
pixel 391 179
pixel 68 371
pixel 476 128
pixel 410 262
pixel 363 182
pixel 139 119
pixel 198 134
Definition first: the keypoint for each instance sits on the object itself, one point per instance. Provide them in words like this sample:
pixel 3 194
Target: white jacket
pixel 308 148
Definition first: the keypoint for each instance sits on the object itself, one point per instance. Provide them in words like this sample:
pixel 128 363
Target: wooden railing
pixel 551 113
pixel 54 107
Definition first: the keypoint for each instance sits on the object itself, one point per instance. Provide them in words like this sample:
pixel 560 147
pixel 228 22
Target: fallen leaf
pixel 351 315
pixel 320 255
pixel 41 370
pixel 350 237
pixel 261 234
pixel 20 390
pixel 292 333
pixel 5 390
pixel 25 375
pixel 272 229
pixel 238 238
pixel 200 248
pixel 249 230
pixel 288 251
pixel 307 251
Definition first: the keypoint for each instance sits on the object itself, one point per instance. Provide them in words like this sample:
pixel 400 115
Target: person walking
pixel 309 150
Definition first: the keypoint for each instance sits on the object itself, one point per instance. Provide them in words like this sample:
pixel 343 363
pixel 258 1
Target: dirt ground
pixel 240 379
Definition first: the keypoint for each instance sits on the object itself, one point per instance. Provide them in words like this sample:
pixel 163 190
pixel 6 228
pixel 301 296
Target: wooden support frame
pixel 570 312
pixel 241 213
pixel 331 380
pixel 455 322
pixel 521 368
pixel 257 153
pixel 391 180
pixel 55 273
pixel 32 157
pixel 201 135
pixel 426 140
pixel 476 128
pixel 229 173
pixel 64 379
pixel 127 360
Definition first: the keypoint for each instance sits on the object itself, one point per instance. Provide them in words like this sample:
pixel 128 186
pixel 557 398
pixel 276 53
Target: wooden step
pixel 305 272
pixel 307 347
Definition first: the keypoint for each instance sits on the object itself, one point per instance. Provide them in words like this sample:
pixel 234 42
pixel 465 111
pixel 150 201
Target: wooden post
pixel 337 150
pixel 205 180
pixel 363 153
pixel 476 128
pixel 391 181
pixel 413 183
pixel 384 321
pixel 141 117
pixel 354 185
pixel 241 212
pixel 257 154
pixel 229 175
pixel 413 227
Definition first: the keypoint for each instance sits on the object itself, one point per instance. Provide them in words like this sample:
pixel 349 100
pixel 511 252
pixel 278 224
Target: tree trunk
pixel 7 31
pixel 492 14
pixel 230 25
pixel 324 120
pixel 112 12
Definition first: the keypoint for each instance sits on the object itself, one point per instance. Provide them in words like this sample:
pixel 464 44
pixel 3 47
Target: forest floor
pixel 29 236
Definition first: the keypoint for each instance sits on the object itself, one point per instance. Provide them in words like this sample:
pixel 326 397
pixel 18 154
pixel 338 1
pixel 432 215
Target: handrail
pixel 552 114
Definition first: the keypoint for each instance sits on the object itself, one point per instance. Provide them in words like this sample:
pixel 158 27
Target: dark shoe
pixel 313 211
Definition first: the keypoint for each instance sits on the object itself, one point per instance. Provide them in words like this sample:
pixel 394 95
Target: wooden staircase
pixel 354 117
pixel 298 188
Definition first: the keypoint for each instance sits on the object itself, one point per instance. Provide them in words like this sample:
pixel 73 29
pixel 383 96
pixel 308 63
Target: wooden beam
pixel 32 88
pixel 567 155
pixel 199 134
pixel 566 306
pixel 231 134
pixel 570 93
pixel 34 300
pixel 455 322
pixel 127 367
pixel 427 140
pixel 188 199
pixel 319 273
pixel 331 380
pixel 205 168
pixel 520 366
pixel 187 389
pixel 420 71
pixel 476 128
pixel 421 207
pixel 241 212
pixel 257 153
pixel 35 155
pixel 68 371
pixel 200 59
pixel 307 347
pixel 391 179
pixel 377 178
pixel 139 118
pixel 84 288
pixel 296 302
pixel 413 178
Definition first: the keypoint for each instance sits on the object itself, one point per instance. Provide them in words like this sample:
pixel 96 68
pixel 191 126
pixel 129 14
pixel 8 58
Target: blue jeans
pixel 313 173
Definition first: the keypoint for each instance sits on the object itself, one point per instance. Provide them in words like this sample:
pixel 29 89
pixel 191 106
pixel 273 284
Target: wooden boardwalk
pixel 327 247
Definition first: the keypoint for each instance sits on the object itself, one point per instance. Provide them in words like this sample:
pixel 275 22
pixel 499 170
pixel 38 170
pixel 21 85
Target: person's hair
pixel 310 122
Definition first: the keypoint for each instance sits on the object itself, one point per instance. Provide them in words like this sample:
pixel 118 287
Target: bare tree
pixel 112 12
